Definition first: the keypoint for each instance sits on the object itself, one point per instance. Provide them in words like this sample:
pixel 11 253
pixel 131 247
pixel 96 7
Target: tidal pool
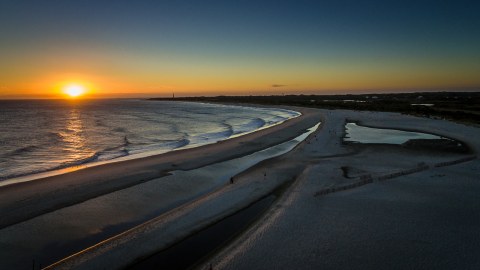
pixel 361 134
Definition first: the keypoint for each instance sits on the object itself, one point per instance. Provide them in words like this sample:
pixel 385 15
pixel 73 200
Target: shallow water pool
pixel 361 134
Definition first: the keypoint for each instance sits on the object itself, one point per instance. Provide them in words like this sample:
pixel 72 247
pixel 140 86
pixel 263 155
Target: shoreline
pixel 83 165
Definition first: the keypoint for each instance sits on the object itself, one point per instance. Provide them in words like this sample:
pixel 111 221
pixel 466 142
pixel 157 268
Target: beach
pixel 340 205
pixel 397 209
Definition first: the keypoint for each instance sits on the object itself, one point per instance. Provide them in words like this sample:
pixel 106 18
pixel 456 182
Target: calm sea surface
pixel 43 135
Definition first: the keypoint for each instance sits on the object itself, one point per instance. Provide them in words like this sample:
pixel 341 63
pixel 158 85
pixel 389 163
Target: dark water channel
pixel 197 247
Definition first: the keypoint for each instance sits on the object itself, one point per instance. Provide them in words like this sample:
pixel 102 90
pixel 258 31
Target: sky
pixel 157 48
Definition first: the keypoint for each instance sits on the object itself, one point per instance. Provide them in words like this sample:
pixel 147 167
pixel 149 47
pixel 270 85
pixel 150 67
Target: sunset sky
pixel 156 48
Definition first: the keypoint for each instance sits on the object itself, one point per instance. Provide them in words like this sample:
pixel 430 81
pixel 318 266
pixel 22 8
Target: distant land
pixel 461 107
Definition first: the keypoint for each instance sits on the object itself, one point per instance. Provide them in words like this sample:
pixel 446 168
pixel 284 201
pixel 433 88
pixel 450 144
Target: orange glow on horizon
pixel 241 81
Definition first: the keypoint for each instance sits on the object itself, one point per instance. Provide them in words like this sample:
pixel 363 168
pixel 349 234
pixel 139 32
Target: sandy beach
pixel 343 206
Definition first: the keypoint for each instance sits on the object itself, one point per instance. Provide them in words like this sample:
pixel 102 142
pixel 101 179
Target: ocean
pixel 45 135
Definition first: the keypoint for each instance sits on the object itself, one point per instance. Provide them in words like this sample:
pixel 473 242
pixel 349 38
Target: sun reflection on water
pixel 74 139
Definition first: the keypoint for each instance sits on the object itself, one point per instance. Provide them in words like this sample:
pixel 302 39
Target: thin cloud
pixel 278 85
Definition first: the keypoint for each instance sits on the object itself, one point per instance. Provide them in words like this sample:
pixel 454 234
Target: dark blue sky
pixel 317 42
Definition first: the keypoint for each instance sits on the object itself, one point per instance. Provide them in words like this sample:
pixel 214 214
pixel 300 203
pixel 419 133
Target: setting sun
pixel 74 90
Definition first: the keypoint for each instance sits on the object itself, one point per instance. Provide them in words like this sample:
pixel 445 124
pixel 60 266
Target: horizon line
pixel 166 96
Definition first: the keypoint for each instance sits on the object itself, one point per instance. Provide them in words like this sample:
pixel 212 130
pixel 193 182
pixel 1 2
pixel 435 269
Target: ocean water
pixel 44 135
